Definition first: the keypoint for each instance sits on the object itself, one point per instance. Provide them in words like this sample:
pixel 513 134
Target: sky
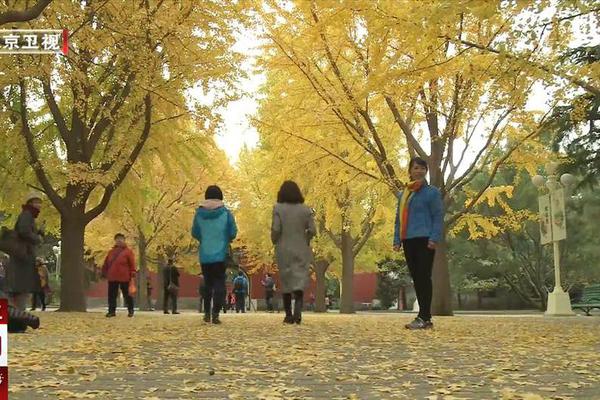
pixel 237 131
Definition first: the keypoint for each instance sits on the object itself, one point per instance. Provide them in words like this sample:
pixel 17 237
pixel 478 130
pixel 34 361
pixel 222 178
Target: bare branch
pixel 34 159
pixel 109 190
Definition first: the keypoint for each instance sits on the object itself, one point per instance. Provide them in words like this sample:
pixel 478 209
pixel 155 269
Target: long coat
pixel 292 229
pixel 21 273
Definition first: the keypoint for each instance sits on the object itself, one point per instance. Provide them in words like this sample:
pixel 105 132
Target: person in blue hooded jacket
pixel 214 227
pixel 418 229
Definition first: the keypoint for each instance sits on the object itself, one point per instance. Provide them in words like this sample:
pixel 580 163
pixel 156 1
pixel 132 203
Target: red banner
pixel 3 349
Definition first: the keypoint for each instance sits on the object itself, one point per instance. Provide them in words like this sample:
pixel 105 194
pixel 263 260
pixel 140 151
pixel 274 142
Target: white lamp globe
pixel 538 181
pixel 567 180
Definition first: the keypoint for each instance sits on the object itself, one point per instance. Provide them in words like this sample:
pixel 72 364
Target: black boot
pixel 298 300
pixel 206 317
pixel 215 319
pixel 287 306
pixel 18 321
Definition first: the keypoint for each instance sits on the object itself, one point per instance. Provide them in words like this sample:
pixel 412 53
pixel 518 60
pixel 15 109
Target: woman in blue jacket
pixel 214 227
pixel 418 229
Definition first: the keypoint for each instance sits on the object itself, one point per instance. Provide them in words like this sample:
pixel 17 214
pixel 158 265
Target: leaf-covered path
pixel 254 356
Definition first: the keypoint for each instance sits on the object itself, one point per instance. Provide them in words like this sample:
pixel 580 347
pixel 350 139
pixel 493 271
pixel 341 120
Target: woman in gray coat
pixel 21 272
pixel 292 229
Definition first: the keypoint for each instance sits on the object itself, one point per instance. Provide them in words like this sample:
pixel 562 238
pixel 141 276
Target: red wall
pixel 365 286
pixel 188 286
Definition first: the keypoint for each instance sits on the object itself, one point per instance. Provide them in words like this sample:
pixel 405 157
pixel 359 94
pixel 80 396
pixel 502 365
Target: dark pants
pixel 38 295
pixel 169 295
pixel 287 304
pixel 240 302
pixel 420 264
pixel 113 290
pixel 214 283
pixel 269 298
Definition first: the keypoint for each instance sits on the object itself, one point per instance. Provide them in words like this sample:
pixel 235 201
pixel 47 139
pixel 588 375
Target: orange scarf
pixel 410 188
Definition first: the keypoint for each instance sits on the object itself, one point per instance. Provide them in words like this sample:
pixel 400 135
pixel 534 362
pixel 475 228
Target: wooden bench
pixel 589 299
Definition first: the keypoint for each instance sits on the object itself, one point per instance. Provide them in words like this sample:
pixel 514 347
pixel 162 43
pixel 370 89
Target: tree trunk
pixel 72 292
pixel 320 267
pixel 347 300
pixel 442 300
pixel 142 275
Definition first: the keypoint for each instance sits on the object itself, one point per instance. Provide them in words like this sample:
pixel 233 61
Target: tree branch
pixel 34 159
pixel 109 190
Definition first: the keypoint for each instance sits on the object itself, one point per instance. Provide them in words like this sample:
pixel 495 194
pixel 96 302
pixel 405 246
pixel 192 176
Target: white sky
pixel 237 131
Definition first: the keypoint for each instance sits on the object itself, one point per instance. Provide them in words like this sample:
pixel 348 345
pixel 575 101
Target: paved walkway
pixel 331 356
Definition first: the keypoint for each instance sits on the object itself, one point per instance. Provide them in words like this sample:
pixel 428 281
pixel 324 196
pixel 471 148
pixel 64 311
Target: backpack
pixel 238 284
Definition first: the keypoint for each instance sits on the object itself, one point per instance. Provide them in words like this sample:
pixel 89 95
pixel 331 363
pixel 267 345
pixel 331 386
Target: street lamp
pixel 553 229
pixel 56 250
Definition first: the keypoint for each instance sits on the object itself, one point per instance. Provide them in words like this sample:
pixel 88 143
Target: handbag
pixel 11 244
pixel 171 287
pixel 132 289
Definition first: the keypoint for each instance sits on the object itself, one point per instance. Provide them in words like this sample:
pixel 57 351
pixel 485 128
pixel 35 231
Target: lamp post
pixel 56 251
pixel 553 230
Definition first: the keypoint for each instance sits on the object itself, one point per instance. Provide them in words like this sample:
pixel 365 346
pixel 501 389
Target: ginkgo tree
pixel 400 86
pixel 84 118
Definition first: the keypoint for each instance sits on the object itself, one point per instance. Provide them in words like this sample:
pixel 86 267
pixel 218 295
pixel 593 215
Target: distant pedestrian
pixel 3 265
pixel 269 285
pixel 21 273
pixel 119 270
pixel 240 289
pixel 418 229
pixel 171 287
pixel 312 301
pixel 292 229
pixel 229 303
pixel 149 294
pixel 214 227
pixel 41 284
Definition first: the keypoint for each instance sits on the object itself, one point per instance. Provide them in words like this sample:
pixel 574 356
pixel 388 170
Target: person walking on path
pixel 214 227
pixel 21 273
pixel 229 303
pixel 149 293
pixel 269 285
pixel 41 284
pixel 418 229
pixel 119 270
pixel 292 229
pixel 240 288
pixel 171 287
pixel 3 266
